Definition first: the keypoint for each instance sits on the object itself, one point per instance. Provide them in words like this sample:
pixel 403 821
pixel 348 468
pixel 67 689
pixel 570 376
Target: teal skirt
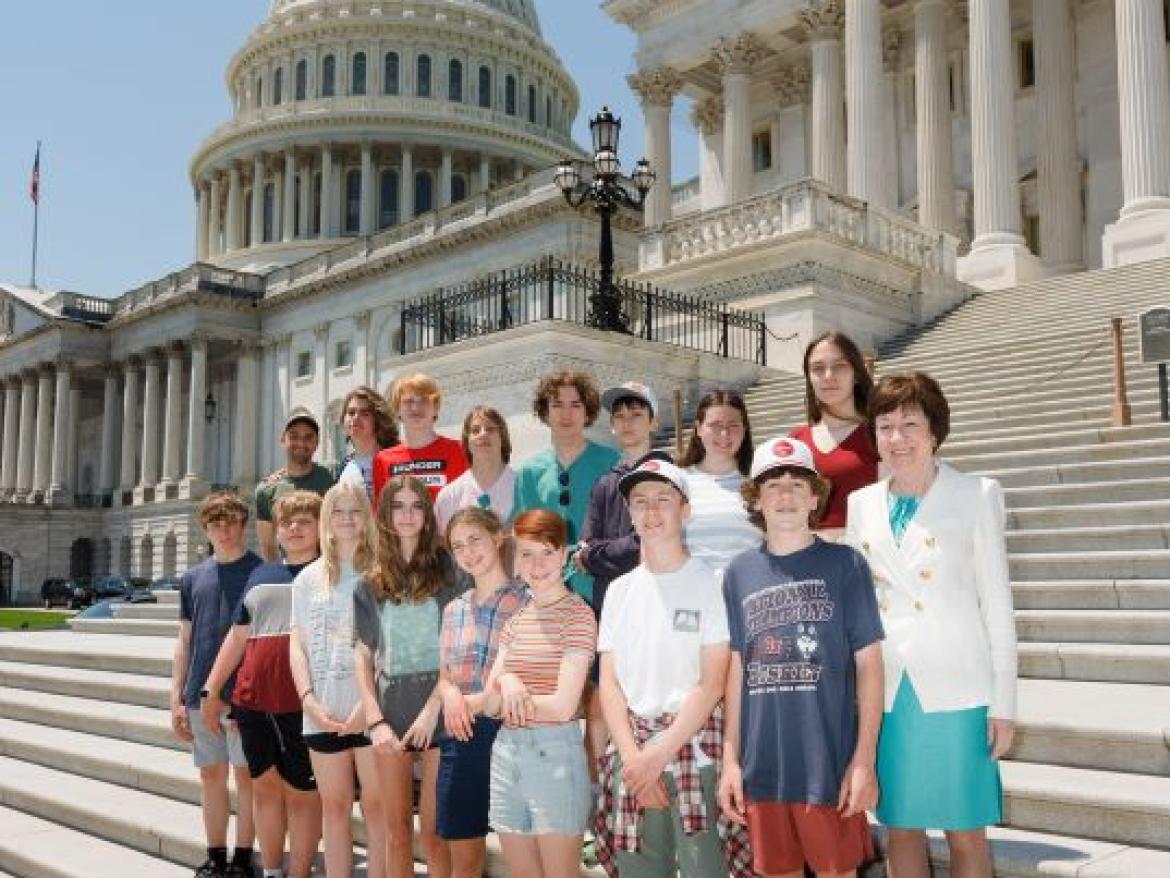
pixel 935 769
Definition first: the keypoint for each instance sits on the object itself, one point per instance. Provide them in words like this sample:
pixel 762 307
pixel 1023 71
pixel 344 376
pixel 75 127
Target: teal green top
pixel 539 486
pixel 903 508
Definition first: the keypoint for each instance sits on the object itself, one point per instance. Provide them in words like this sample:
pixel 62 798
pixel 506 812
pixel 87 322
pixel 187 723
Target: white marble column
pixel 26 456
pixel 214 219
pixel 244 454
pixel 151 408
pixel 60 490
pixel 822 23
pixel 1143 231
pixel 446 160
pixel 235 199
pixel 328 229
pixel 194 484
pixel 128 476
pixel 172 423
pixel 277 233
pixel 106 478
pixel 202 213
pixel 71 452
pixel 863 80
pixel 888 193
pixel 11 437
pixel 42 465
pixel 999 257
pixel 368 206
pixel 288 208
pixel 361 355
pixel 735 59
pixel 657 89
pixel 1058 163
pixel 707 116
pixel 485 173
pixel 321 371
pixel 269 398
pixel 406 185
pixel 932 103
pixel 258 184
pixel 305 214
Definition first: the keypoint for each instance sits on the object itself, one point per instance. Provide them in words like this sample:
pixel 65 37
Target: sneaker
pixel 235 870
pixel 209 870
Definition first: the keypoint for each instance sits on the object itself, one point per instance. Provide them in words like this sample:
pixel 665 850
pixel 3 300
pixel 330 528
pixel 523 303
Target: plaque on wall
pixel 1154 335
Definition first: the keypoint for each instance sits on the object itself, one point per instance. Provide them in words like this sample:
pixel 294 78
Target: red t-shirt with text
pixel 435 465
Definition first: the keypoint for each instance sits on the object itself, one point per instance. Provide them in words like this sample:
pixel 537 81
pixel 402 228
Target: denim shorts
pixel 463 787
pixel 540 781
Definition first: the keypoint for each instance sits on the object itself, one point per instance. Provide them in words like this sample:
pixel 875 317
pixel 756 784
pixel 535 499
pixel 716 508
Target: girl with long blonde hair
pixel 322 659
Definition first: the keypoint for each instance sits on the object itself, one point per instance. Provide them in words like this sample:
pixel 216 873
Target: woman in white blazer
pixel 934 540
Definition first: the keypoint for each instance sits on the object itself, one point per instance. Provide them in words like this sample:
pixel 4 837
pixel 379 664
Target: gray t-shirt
pixel 404 642
pixel 318 480
pixel 322 620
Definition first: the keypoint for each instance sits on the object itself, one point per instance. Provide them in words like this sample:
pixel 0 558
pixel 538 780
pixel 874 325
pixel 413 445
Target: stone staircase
pixel 92 783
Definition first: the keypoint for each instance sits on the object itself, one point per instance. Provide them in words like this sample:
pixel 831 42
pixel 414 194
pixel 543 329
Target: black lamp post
pixel 602 184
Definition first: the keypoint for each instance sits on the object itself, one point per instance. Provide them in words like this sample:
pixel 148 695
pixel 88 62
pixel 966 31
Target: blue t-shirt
pixel 209 598
pixel 542 483
pixel 796 621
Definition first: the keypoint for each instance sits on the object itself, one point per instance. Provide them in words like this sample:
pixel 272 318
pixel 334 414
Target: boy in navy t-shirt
pixel 209 596
pixel 804 691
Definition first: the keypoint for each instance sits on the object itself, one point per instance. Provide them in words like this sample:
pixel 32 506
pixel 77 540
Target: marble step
pixel 1131 490
pixel 1125 513
pixel 147 611
pixel 112 686
pixel 1096 564
pixel 1092 594
pixel 1103 536
pixel 1157 467
pixel 1096 662
pixel 73 649
pixel 1094 626
pixel 128 723
pixel 137 627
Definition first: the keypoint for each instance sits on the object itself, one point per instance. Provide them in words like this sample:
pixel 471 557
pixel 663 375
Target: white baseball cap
pixel 782 451
pixel 636 389
pixel 655 470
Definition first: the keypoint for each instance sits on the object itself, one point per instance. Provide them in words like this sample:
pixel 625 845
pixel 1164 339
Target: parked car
pixel 128 588
pixel 71 593
pixel 166 583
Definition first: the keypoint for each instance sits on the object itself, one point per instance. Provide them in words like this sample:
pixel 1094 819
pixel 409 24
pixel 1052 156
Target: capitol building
pixel 382 200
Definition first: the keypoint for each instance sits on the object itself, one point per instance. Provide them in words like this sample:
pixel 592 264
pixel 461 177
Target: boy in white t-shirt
pixel 664 654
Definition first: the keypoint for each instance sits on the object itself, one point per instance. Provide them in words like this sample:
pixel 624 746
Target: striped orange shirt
pixel 538 638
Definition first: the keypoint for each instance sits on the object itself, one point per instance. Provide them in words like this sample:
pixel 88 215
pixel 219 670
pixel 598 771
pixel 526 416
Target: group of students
pixel 761 643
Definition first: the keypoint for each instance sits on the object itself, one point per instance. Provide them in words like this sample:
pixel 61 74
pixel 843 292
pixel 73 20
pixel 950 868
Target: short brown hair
pixel 477 517
pixel 862 380
pixel 385 431
pixel 543 526
pixel 750 492
pixel 296 503
pixel 546 392
pixel 222 506
pixel 912 390
pixel 423 385
pixel 488 414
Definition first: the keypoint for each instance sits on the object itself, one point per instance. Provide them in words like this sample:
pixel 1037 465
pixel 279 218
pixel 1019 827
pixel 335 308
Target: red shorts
pixel 785 836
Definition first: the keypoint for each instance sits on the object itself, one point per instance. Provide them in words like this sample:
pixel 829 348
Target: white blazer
pixel 944 593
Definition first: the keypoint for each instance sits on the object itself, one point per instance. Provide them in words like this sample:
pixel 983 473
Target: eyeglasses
pixel 483 501
pixel 565 499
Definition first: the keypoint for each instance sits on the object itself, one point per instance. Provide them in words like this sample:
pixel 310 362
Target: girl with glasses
pixel 396 622
pixel 322 661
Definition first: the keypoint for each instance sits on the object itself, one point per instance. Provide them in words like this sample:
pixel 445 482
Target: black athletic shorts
pixel 275 739
pixel 328 742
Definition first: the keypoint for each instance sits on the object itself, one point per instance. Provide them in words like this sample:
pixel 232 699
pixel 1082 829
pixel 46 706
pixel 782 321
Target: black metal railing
pixel 555 290
pixel 93 501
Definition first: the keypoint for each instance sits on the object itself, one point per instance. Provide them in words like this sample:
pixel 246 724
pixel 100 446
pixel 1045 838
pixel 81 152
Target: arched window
pixel 328 77
pixel 301 85
pixel 532 104
pixel 357 85
pixel 259 96
pixel 278 86
pixel 485 87
pixel 458 188
pixel 455 81
pixel 353 202
pixel 269 213
pixel 388 200
pixel 390 74
pixel 424 192
pixel 422 85
pixel 510 95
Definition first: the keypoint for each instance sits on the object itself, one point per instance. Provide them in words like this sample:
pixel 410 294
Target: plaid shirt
pixel 616 825
pixel 470 636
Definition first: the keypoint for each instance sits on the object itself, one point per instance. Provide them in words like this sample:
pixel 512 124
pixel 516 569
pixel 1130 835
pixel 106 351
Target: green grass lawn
pixel 14 620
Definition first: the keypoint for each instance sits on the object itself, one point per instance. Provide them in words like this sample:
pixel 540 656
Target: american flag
pixel 34 184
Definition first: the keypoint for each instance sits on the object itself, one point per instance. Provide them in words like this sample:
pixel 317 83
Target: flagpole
pixel 36 216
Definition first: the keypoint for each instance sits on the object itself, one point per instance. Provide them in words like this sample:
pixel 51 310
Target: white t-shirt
pixel 466 491
pixel 718 528
pixel 359 471
pixel 655 627
pixel 322 616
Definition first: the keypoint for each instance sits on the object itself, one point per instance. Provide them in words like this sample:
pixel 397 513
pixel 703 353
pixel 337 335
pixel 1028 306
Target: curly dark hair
pixel 385 430
pixel 546 392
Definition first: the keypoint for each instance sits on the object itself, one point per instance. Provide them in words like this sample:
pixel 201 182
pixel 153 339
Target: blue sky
pixel 122 92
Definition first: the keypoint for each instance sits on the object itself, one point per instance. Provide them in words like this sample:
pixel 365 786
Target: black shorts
pixel 275 740
pixel 328 742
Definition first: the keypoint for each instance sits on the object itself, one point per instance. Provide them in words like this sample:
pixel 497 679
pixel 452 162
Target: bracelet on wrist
pixel 381 722
pixel 306 694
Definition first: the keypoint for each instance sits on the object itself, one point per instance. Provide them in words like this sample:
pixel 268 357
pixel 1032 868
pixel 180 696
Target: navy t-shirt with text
pixel 209 597
pixel 796 621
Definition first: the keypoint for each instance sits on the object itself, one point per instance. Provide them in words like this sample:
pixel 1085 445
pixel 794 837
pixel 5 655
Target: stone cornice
pixel 656 87
pixel 797 274
pixel 823 19
pixel 738 54
pixel 707 114
pixel 792 85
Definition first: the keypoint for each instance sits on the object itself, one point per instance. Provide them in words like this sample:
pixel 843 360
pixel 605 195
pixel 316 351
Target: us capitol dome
pixel 352 116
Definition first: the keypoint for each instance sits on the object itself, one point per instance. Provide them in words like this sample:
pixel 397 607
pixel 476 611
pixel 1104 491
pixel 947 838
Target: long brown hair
pixel 394 578
pixel 367 548
pixel 694 452
pixel 385 430
pixel 862 380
